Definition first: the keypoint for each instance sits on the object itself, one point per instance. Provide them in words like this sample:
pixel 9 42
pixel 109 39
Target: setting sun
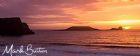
pixel 126 27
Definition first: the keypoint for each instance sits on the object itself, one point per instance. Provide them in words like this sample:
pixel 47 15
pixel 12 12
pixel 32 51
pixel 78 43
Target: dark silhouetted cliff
pixel 13 26
pixel 80 28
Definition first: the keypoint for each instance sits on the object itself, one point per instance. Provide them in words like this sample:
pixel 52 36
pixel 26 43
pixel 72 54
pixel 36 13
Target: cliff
pixel 13 26
pixel 80 28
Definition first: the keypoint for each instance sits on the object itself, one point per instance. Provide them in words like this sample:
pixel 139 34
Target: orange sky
pixel 58 14
pixel 103 14
pixel 109 13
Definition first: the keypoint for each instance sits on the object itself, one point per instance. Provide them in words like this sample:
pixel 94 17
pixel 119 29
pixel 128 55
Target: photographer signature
pixel 28 50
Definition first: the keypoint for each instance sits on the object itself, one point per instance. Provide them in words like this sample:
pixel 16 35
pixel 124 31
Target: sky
pixel 60 14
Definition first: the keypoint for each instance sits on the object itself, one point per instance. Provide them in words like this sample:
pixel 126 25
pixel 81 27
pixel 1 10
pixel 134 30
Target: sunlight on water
pixel 83 43
pixel 125 37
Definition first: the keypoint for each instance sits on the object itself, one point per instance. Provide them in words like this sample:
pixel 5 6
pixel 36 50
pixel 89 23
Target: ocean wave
pixel 106 45
pixel 111 53
pixel 77 49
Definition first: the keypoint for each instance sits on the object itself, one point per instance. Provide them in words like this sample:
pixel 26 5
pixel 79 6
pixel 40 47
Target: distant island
pixel 13 27
pixel 119 28
pixel 80 28
pixel 87 28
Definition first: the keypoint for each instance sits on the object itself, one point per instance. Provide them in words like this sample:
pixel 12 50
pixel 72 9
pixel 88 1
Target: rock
pixel 119 28
pixel 13 26
pixel 80 28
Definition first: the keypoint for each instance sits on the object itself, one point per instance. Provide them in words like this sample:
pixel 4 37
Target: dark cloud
pixel 26 8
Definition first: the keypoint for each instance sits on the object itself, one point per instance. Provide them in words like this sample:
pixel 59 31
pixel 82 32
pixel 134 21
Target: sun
pixel 127 27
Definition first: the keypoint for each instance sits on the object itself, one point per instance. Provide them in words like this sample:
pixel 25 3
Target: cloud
pixel 44 8
pixel 65 11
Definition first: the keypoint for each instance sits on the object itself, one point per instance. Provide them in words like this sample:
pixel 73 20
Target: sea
pixel 73 43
